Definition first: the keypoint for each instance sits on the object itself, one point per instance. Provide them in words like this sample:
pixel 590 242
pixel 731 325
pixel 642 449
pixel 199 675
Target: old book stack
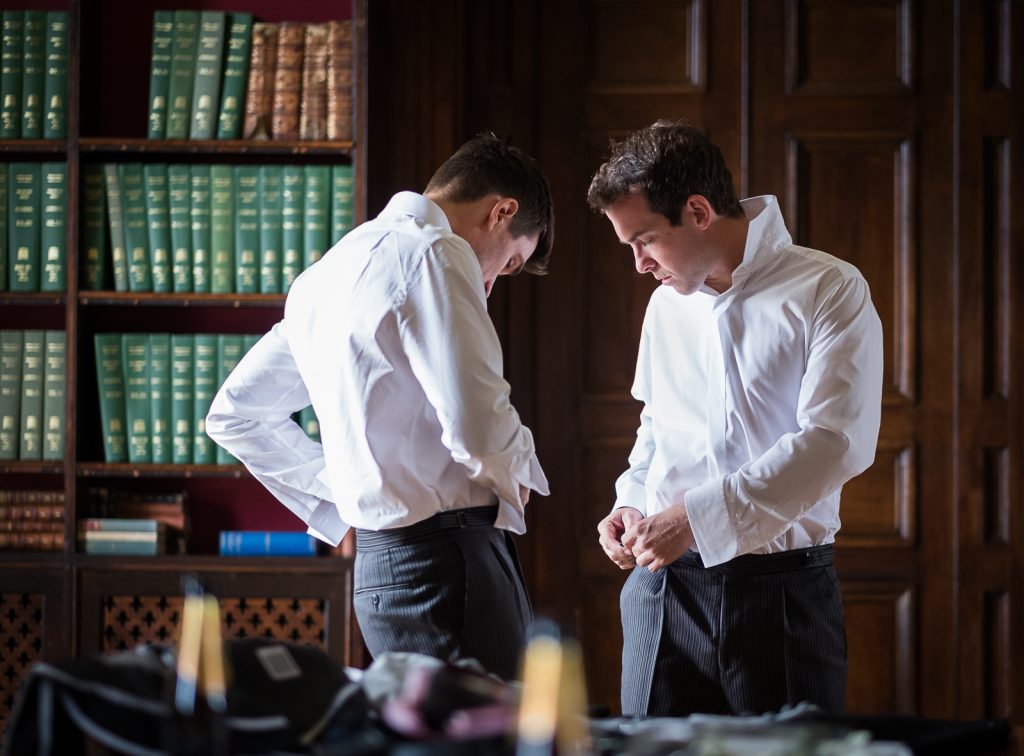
pixel 31 520
pixel 217 75
pixel 134 523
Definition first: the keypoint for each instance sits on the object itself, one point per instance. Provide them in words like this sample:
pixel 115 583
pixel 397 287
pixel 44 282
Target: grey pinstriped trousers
pixel 746 637
pixel 449 586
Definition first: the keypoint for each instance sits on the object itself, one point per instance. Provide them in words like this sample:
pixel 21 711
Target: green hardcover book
pixel 115 223
pixel 236 72
pixel 204 389
pixel 54 233
pixel 229 353
pixel 270 228
pixel 11 57
pixel 183 71
pixel 249 340
pixel 222 229
pixel 199 202
pixel 94 228
pixel 136 228
pixel 110 377
pixel 182 396
pixel 247 229
pixel 54 382
pixel 160 397
pixel 10 392
pixel 32 364
pixel 316 208
pixel 33 69
pixel 160 73
pixel 23 204
pixel 342 202
pixel 135 363
pixel 158 223
pixel 4 259
pixel 309 423
pixel 292 188
pixel 206 84
pixel 55 82
pixel 179 189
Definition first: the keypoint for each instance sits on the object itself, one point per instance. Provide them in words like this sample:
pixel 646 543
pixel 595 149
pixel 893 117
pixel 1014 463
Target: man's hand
pixel 610 531
pixel 660 539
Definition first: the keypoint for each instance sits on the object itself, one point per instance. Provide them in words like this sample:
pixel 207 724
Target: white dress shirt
pixel 388 337
pixel 759 402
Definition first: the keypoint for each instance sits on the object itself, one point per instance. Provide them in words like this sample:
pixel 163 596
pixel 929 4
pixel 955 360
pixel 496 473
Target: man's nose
pixel 643 262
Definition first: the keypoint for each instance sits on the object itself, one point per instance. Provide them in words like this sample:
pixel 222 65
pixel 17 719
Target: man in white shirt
pixel 389 339
pixel 760 372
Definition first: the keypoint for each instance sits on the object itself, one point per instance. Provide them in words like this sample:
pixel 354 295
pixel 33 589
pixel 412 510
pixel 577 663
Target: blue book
pixel 266 543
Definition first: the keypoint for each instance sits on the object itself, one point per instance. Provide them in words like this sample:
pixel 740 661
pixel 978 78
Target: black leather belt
pixel 473 517
pixel 760 564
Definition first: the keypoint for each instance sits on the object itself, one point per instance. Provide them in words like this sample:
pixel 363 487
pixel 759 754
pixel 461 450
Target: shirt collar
pixel 417 206
pixel 766 232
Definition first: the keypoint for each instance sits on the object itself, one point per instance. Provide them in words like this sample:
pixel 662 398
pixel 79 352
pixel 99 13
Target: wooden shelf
pixel 137 298
pixel 34 298
pixel 32 467
pixel 128 470
pixel 112 147
pixel 31 558
pixel 213 563
pixel 33 146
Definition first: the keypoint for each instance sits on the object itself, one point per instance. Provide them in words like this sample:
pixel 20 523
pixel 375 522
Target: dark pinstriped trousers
pixel 448 587
pixel 746 637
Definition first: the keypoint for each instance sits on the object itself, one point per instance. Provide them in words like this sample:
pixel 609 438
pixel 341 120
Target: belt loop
pixel 460 518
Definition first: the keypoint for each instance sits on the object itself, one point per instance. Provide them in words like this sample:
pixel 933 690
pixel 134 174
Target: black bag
pixel 281 697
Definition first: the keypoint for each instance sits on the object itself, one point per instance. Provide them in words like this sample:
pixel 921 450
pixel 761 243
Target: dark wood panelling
pixel 880 628
pixel 878 507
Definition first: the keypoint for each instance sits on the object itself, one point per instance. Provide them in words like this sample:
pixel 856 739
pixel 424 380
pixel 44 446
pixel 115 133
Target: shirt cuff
pixel 326 524
pixel 709 521
pixel 511 515
pixel 630 494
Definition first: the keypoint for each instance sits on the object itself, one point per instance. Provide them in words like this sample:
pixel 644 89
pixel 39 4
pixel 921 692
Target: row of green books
pixel 34 74
pixel 33 231
pixel 32 390
pixel 216 229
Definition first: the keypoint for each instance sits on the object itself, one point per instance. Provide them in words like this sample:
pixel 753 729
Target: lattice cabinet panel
pixel 21 644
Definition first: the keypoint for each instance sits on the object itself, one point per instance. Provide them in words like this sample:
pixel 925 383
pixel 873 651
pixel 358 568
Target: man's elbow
pixel 223 426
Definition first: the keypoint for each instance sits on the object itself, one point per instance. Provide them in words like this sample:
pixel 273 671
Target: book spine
pixel 33 363
pixel 313 101
pixel 315 213
pixel 33 74
pixel 204 388
pixel 158 225
pixel 54 235
pixel 54 392
pixel 4 257
pixel 124 548
pixel 121 525
pixel 94 228
pixel 339 80
pixel 259 94
pixel 115 224
pixel 342 202
pixel 206 85
pixel 179 190
pixel 160 73
pixel 236 72
pixel 110 376
pixel 11 57
pixel 160 396
pixel 34 540
pixel 23 218
pixel 247 229
pixel 270 228
pixel 292 188
pixel 284 122
pixel 55 85
pixel 222 229
pixel 182 361
pixel 229 354
pixel 183 66
pixel 11 347
pixel 266 543
pixel 135 351
pixel 136 231
pixel 199 204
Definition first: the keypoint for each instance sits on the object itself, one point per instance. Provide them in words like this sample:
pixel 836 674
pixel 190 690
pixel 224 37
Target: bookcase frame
pixel 72 587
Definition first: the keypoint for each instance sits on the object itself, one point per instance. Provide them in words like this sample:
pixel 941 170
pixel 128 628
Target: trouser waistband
pixel 759 564
pixel 472 517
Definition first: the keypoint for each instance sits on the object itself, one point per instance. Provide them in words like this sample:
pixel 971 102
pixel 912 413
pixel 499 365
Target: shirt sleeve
pixel 251 417
pixel 454 352
pixel 630 488
pixel 838 414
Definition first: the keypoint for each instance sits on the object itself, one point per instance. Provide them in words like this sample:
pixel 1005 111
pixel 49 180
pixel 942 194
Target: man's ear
pixel 502 211
pixel 697 205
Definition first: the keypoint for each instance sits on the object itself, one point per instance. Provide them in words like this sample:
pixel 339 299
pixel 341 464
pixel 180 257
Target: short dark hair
pixel 485 165
pixel 668 161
